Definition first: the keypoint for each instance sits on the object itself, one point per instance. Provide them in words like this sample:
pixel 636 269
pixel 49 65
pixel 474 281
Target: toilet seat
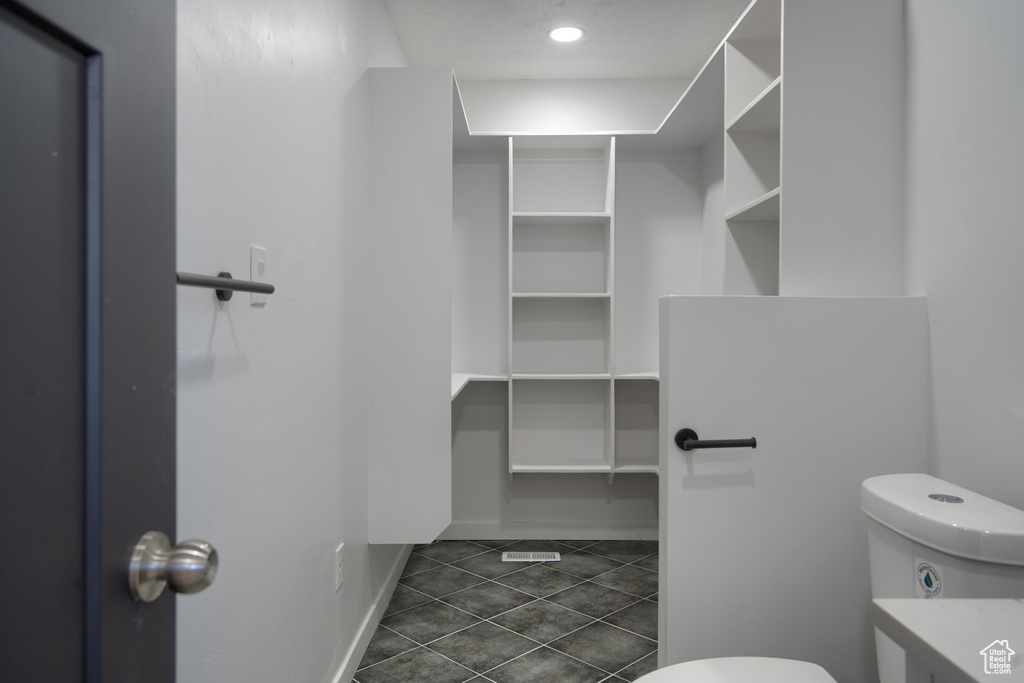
pixel 739 670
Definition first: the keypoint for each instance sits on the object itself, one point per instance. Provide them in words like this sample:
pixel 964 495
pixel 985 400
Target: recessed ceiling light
pixel 566 34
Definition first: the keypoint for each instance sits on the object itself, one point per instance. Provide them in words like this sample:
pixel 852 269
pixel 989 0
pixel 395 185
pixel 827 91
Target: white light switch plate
pixel 257 273
pixel 339 577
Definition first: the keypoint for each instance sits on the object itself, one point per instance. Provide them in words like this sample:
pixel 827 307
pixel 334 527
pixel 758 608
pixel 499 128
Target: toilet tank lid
pixel 978 528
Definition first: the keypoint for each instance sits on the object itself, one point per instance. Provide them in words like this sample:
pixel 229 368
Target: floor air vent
pixel 531 557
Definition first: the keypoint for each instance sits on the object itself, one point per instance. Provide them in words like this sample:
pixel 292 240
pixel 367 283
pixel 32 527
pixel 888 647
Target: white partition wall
pixel 763 551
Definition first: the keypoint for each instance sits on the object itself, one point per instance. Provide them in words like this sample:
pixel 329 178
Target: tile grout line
pixel 634 663
pixel 388 659
pixel 638 635
pixel 496 666
pixel 591 664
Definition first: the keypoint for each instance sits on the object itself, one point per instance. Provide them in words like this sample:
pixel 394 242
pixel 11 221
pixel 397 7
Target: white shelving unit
pixel 811 126
pixel 730 116
pixel 569 411
pixel 561 241
pixel 753 191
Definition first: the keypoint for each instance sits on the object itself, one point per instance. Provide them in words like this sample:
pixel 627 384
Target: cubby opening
pixel 553 254
pixel 558 335
pixel 752 258
pixel 636 425
pixel 753 56
pixel 560 426
pixel 751 168
pixel 561 175
pixel 750 67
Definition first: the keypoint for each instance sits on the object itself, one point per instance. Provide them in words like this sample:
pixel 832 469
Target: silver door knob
pixel 188 567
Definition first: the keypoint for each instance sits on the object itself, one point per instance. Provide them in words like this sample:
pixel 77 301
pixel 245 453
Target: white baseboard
pixel 347 670
pixel 566 531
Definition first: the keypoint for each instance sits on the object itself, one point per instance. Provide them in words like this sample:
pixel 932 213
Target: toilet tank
pixel 931 539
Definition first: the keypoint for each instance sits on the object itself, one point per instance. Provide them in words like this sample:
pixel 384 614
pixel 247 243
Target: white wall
pixel 566 107
pixel 658 233
pixel 273 150
pixel 965 232
pixel 716 230
pixel 480 262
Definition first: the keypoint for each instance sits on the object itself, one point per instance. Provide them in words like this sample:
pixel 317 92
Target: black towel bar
pixel 224 284
pixel 688 440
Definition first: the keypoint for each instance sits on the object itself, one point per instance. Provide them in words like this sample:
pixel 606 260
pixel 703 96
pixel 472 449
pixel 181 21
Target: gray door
pixel 87 301
pixel 764 550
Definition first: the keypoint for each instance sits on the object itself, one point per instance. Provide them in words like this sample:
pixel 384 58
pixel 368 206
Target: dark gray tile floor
pixel 461 614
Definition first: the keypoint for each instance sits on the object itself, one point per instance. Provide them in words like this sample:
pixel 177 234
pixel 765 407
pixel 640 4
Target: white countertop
pixel 947 637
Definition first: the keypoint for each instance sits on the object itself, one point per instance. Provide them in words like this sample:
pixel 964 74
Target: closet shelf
pixel 549 217
pixel 654 375
pixel 636 469
pixel 561 375
pixel 561 295
pixel 461 379
pixel 764 208
pixel 584 467
pixel 599 467
pixel 763 112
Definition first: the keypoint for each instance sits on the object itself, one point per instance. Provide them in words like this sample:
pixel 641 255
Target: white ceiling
pixel 507 39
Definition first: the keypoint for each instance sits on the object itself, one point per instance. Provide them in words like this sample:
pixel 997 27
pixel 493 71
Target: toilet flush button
pixel 945 498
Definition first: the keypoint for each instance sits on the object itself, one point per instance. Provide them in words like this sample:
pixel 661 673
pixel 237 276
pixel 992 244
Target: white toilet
pixel 926 539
